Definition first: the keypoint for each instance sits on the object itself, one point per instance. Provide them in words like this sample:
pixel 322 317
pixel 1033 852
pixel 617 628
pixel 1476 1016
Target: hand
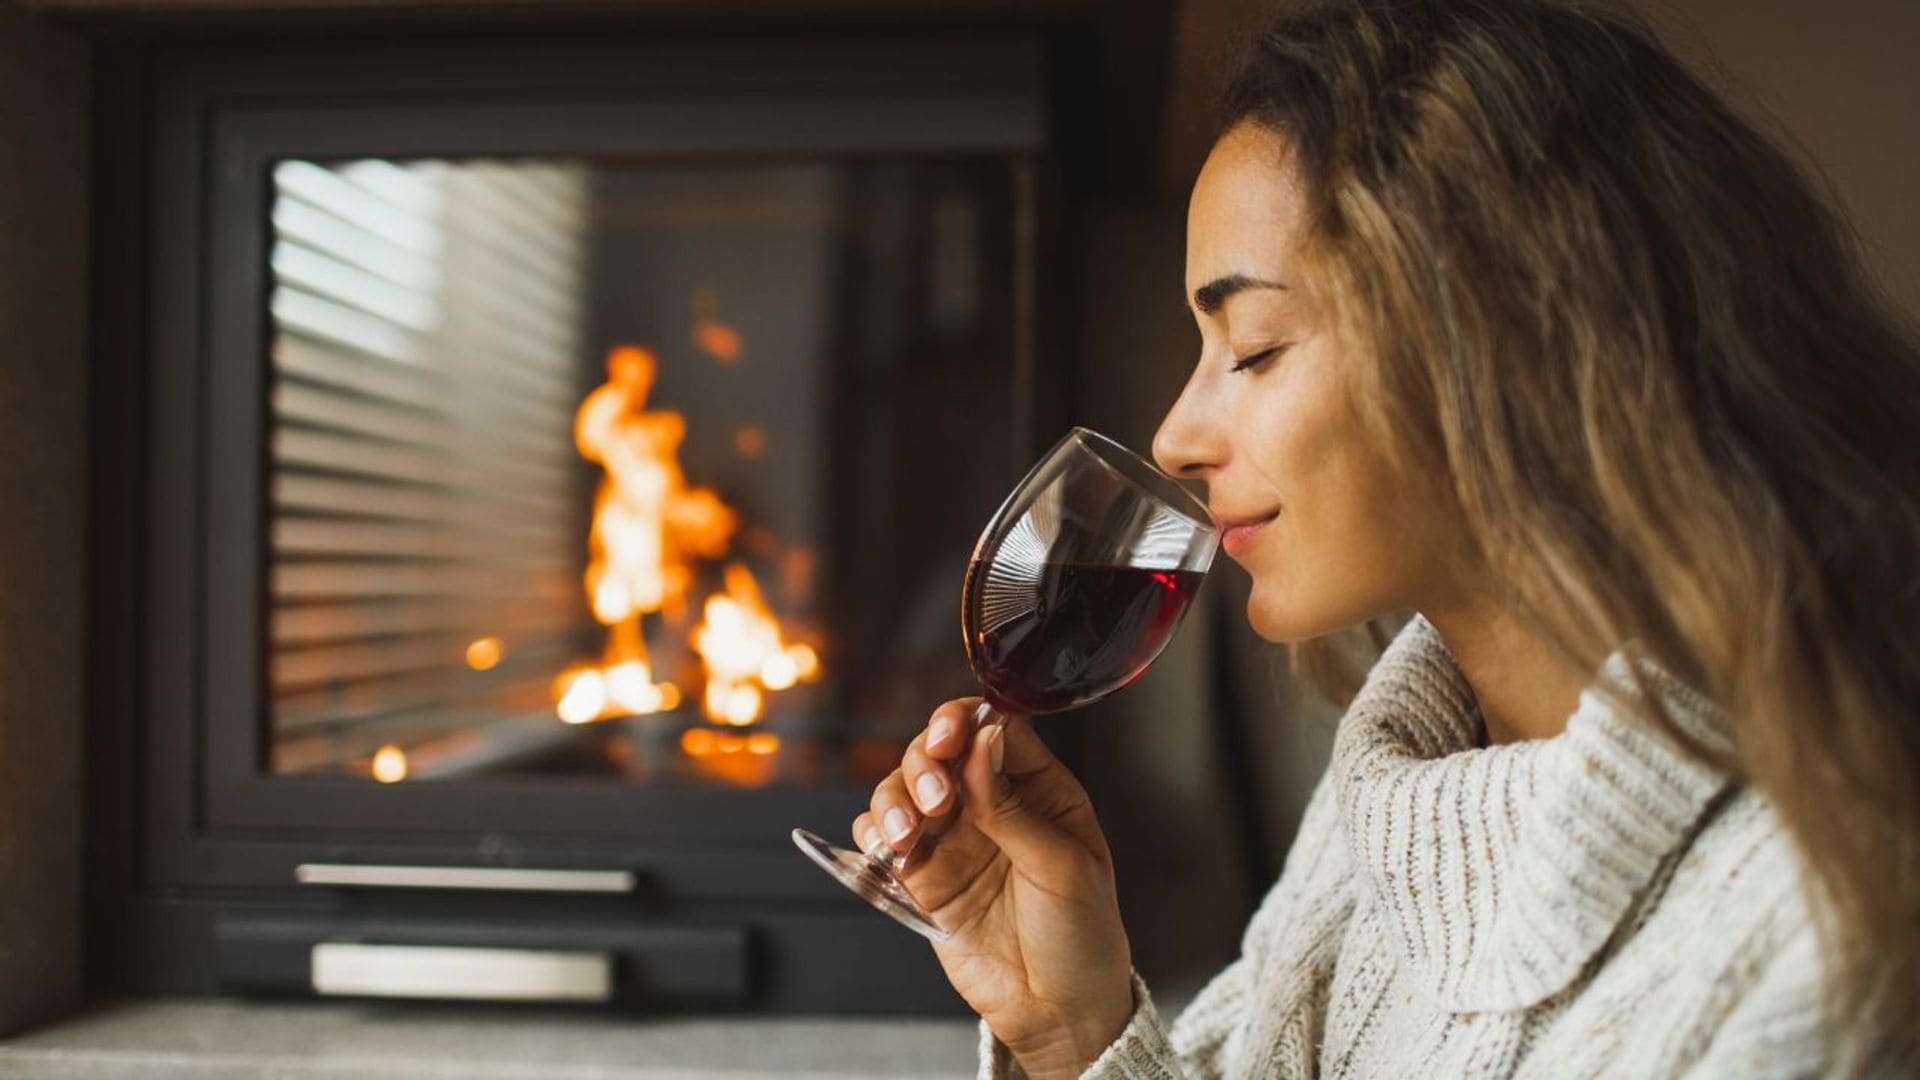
pixel 1012 862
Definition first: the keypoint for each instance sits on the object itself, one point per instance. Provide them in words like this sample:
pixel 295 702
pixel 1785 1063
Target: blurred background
pixel 525 438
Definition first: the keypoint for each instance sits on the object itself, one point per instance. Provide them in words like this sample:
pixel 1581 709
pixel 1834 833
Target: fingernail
pixel 931 789
pixel 870 840
pixel 996 749
pixel 938 733
pixel 898 826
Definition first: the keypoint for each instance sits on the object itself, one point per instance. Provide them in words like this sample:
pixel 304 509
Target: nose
pixel 1188 444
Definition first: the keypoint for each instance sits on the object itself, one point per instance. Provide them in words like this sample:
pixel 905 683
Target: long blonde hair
pixel 1671 408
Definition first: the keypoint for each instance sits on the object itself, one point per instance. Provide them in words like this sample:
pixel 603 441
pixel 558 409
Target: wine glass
pixel 1075 586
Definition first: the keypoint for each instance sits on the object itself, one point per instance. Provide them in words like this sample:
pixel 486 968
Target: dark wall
pixel 1836 82
pixel 43 290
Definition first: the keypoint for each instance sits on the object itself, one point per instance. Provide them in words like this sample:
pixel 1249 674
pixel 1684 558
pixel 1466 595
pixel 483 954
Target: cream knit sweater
pixel 1594 904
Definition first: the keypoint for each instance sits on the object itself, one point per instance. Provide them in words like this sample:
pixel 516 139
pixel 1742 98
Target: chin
pixel 1279 622
pixel 1285 617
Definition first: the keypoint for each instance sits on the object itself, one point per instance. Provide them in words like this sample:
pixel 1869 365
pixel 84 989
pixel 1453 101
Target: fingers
pixel 866 833
pixel 926 779
pixel 1030 805
pixel 891 809
pixel 933 786
pixel 937 872
pixel 923 786
pixel 950 729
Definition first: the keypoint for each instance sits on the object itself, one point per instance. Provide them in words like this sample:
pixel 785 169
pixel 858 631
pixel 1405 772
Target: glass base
pixel 871 879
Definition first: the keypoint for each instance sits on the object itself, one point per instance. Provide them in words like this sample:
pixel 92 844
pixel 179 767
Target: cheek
pixel 1291 434
pixel 1335 557
pixel 1345 547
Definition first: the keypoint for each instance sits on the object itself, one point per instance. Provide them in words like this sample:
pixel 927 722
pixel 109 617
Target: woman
pixel 1509 323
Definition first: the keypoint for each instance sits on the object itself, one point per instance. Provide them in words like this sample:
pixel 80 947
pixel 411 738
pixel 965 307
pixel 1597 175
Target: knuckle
pixel 953 716
pixel 1006 805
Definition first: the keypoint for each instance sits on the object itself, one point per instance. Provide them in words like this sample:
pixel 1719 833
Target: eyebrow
pixel 1209 297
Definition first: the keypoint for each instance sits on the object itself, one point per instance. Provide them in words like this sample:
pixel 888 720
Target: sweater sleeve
pixel 1285 944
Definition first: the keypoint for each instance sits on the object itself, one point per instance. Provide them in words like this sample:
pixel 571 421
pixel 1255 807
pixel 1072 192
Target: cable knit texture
pixel 1600 903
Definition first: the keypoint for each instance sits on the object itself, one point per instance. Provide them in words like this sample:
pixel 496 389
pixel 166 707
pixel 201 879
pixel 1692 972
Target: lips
pixel 1237 535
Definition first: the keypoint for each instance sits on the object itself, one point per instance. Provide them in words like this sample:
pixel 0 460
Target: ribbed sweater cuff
pixel 1142 1052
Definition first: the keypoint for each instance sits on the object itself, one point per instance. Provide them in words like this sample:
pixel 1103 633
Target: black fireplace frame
pixel 193 850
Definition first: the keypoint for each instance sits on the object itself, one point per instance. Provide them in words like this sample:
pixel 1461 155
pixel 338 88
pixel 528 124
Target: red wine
pixel 1051 636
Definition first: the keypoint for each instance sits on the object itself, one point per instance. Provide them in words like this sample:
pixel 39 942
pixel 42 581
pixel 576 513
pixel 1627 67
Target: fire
pixel 711 334
pixel 390 764
pixel 744 760
pixel 649 528
pixel 485 653
pixel 583 695
pixel 718 340
pixel 647 523
pixel 745 655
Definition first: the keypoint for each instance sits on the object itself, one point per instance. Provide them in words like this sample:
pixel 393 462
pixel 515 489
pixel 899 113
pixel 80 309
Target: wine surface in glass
pixel 1047 638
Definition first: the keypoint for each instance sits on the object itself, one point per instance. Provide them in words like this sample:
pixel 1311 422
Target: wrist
pixel 1066 1052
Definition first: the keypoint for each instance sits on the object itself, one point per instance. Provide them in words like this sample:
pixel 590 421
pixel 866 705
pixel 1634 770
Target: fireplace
pixel 536 475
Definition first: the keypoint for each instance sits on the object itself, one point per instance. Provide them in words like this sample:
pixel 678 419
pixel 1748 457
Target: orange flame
pixel 647 523
pixel 648 528
pixel 714 336
pixel 719 340
pixel 390 764
pixel 484 654
pixel 750 441
pixel 745 654
pixel 745 760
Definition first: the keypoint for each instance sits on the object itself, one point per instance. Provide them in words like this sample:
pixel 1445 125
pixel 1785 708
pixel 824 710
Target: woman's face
pixel 1269 420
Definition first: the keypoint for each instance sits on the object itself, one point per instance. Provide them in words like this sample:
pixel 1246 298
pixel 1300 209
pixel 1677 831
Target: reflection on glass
pixel 595 469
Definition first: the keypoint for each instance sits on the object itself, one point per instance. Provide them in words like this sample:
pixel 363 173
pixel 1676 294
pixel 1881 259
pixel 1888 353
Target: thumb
pixel 1020 796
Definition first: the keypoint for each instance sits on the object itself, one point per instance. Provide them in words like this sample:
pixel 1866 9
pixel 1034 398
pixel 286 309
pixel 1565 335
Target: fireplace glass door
pixel 629 472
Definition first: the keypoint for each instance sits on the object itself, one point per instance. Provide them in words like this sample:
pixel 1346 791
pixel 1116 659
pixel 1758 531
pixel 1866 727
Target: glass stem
pixel 883 855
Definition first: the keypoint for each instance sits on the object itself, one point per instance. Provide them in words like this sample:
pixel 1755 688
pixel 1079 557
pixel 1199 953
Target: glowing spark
pixel 390 764
pixel 485 654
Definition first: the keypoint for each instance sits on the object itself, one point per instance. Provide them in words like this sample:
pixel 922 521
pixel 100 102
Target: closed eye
pixel 1257 359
